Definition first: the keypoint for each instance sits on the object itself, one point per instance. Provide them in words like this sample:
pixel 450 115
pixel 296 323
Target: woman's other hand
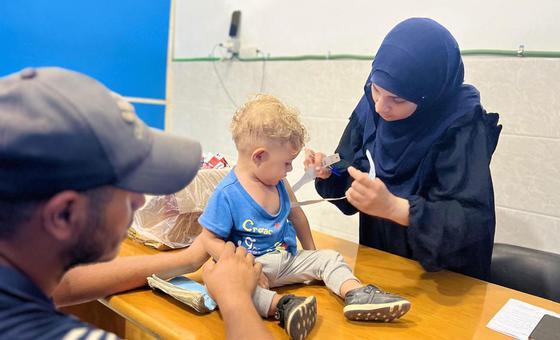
pixel 371 196
pixel 315 159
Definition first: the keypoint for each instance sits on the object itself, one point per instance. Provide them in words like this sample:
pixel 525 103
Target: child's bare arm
pixel 300 222
pixel 303 231
pixel 212 243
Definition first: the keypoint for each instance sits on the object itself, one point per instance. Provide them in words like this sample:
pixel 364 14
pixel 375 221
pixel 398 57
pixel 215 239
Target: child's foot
pixel 370 303
pixel 297 315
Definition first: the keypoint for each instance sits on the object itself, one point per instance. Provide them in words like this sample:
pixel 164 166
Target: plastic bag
pixel 171 221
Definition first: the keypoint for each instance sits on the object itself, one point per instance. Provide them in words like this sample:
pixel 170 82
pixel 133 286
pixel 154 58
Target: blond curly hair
pixel 263 119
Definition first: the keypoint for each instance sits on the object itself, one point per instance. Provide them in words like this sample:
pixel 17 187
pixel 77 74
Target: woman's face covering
pixel 390 106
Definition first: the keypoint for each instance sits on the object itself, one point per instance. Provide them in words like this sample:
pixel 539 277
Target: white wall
pixel 291 27
pixel 526 165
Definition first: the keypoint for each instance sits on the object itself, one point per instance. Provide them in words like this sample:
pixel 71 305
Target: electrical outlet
pixel 248 52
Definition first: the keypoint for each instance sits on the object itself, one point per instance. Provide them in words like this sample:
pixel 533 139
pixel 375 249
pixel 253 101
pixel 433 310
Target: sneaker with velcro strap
pixel 369 303
pixel 297 315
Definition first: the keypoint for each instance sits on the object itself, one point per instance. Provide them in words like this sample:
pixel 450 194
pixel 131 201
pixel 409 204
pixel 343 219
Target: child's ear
pixel 259 155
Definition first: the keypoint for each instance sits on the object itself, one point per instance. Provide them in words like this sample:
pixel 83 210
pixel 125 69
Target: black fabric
pixel 26 313
pixel 452 214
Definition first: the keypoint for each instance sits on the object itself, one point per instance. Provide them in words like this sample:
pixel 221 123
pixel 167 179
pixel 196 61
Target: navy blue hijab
pixel 419 60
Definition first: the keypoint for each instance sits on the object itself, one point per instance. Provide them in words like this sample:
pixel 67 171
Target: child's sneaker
pixel 370 303
pixel 297 315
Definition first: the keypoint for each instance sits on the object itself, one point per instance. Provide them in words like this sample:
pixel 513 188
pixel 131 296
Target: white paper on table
pixel 518 319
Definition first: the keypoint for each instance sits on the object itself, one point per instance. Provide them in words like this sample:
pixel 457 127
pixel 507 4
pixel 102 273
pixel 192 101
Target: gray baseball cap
pixel 62 130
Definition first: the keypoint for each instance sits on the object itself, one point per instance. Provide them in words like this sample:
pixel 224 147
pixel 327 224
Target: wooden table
pixel 445 305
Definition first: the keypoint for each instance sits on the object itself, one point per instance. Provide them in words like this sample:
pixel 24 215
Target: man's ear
pixel 259 155
pixel 61 214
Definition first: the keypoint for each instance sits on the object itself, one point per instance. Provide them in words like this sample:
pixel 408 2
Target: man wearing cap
pixel 75 162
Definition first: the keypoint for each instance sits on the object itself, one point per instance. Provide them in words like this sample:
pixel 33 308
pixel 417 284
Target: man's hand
pixel 231 282
pixel 235 274
pixel 315 159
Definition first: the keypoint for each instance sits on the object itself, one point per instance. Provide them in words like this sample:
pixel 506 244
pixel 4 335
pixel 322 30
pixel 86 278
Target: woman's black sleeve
pixel 456 211
pixel 349 146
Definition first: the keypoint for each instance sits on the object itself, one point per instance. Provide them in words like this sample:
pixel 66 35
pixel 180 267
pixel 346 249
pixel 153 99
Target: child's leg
pixel 361 303
pixel 265 301
pixel 297 315
pixel 348 285
pixel 325 264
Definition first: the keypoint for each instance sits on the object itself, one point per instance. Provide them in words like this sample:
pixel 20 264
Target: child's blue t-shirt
pixel 233 215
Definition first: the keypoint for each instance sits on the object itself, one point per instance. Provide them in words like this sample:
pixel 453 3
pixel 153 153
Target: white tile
pixel 207 125
pixel 324 133
pixel 527 230
pixel 526 174
pixel 523 90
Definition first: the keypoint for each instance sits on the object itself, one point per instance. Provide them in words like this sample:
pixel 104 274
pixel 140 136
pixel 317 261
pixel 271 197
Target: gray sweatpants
pixel 283 268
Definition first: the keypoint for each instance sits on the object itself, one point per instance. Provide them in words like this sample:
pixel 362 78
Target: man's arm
pixel 90 282
pixel 300 222
pixel 231 282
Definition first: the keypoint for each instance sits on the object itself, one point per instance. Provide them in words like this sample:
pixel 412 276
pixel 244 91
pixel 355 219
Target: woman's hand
pixel 372 197
pixel 315 159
